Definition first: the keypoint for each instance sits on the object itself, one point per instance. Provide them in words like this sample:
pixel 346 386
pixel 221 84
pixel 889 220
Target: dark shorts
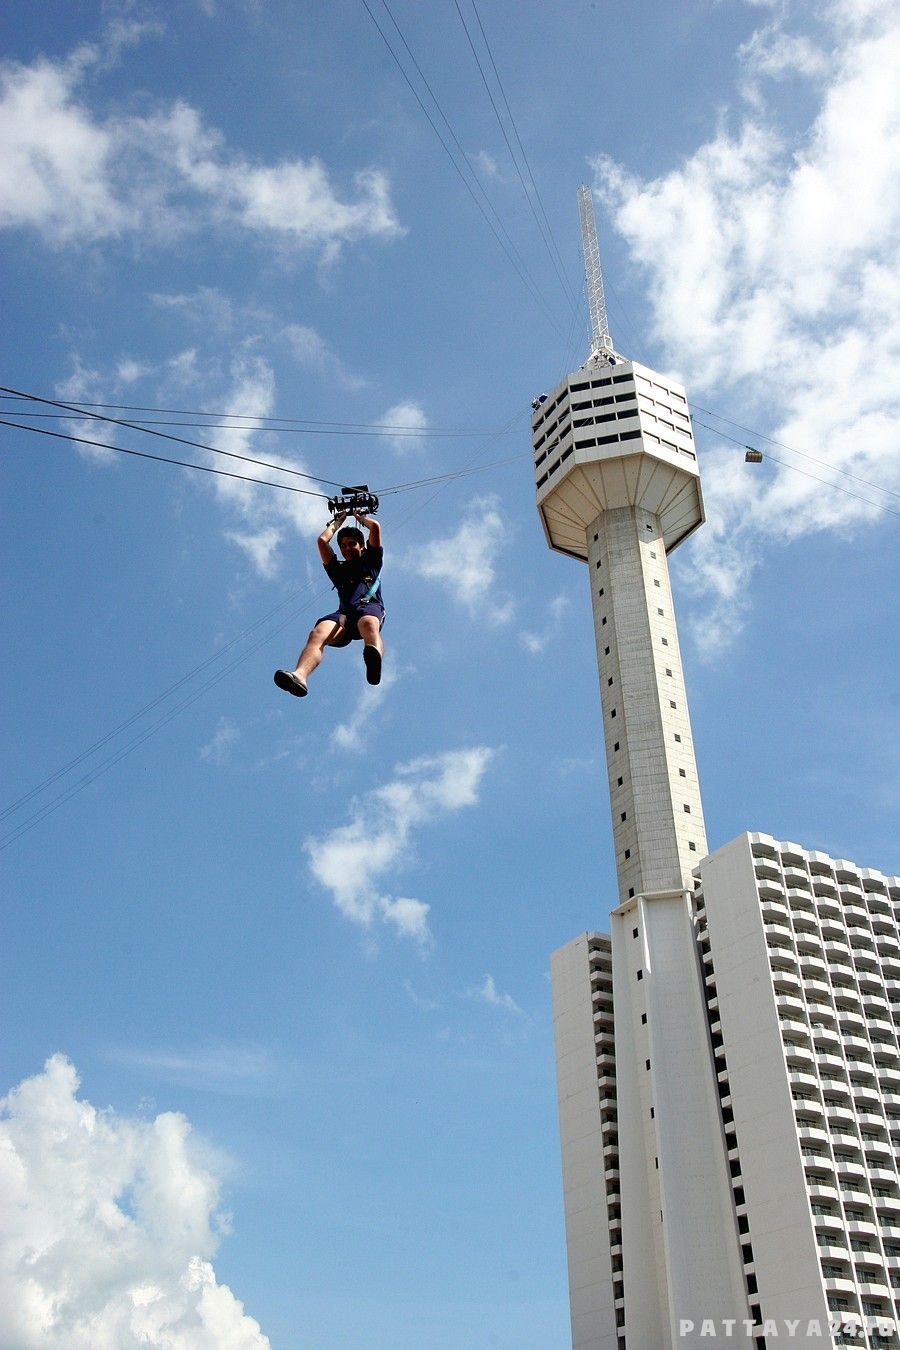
pixel 351 633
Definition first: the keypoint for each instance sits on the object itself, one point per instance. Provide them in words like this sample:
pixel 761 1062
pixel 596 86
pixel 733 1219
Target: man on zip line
pixel 360 614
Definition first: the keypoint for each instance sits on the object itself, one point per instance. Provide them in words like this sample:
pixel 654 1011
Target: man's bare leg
pixel 370 631
pixel 320 637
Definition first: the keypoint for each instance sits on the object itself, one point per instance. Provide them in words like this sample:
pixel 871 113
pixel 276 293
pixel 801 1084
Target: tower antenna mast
pixel 601 342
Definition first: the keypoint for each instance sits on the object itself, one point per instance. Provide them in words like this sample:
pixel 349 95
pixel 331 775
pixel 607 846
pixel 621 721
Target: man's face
pixel 350 547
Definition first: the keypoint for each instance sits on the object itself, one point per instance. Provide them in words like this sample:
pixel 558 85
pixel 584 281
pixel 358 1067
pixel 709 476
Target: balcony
pixel 792 1008
pixel 804 1080
pixel 791 1026
pixel 861 1228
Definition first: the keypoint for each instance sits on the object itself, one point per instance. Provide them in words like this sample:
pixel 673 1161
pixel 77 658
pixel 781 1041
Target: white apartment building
pixel 795 960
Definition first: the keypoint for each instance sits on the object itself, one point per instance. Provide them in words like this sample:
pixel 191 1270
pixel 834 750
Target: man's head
pixel 351 541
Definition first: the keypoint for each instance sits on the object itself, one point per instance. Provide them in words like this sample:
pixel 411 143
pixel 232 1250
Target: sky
pixel 278 1063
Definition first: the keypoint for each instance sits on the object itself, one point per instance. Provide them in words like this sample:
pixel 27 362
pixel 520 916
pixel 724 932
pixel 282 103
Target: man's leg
pixel 370 631
pixel 325 633
pixel 322 636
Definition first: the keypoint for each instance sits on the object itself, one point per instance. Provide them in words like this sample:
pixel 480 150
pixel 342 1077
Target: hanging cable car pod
pixel 753 456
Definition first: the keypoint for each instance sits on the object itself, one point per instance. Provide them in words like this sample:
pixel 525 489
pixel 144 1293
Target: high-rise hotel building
pixel 727 1055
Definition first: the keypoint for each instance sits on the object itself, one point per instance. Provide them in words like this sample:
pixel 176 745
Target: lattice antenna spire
pixel 601 342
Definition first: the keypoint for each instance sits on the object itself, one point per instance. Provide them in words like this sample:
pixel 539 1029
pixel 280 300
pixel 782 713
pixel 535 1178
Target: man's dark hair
pixel 350 531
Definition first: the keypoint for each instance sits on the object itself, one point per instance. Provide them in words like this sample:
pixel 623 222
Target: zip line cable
pixel 510 249
pixel 838 487
pixel 262 423
pixel 180 440
pixel 760 436
pixel 543 225
pixel 164 459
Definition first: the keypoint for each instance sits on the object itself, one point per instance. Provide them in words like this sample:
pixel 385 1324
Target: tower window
pixel 652 554
pixel 606 651
pixel 668 670
pixel 687 809
pixel 616 746
pixel 634 932
pixel 603 621
pixel 613 713
pixel 624 815
pixel 692 848
pixel 677 737
pixel 627 854
pixel 672 704
pixel 640 974
pixel 619 782
pixel 655 582
pixel 631 893
pixel 659 611
pixel 682 773
pixel 665 642
pixel 600 592
pixel 609 681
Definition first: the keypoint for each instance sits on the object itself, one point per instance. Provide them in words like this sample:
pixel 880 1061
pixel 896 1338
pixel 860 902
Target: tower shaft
pixel 654 791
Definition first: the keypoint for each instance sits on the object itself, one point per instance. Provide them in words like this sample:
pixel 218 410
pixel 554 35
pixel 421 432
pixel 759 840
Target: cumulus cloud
pixel 406 421
pixel 77 177
pixel 464 561
pixel 351 735
pixel 218 749
pixel 487 992
pixel 536 641
pixel 107 1228
pixel 773 270
pixel 352 860
pixel 245 396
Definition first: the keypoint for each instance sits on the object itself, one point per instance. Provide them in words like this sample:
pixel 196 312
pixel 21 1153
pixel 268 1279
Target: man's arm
pixel 371 524
pixel 326 552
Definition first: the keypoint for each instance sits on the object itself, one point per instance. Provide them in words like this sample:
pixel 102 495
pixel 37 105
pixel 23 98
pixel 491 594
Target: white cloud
pixel 107 1228
pixel 536 642
pixel 488 993
pixel 240 1070
pixel 773 269
pixel 350 735
pixel 408 421
pixel 352 860
pixel 78 178
pixel 218 749
pixel 464 562
pixel 313 351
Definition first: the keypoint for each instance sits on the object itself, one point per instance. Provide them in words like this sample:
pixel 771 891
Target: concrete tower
pixel 651 1230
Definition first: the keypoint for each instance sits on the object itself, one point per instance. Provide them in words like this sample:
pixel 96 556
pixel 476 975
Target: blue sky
pixel 279 1042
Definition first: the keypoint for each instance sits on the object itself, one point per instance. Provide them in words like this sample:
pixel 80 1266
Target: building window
pixel 687 809
pixel 624 815
pixel 668 670
pixel 613 713
pixel 603 621
pixel 609 681
pixel 655 582
pixel 682 773
pixel 627 854
pixel 677 737
pixel 600 592
pixel 644 1023
pixel 619 782
pixel 616 746
pixel 606 651
pixel 640 974
pixel 659 611
pixel 646 1064
pixel 652 554
pixel 672 703
pixel 631 893
pixel 693 848
pixel 634 932
pixel 665 642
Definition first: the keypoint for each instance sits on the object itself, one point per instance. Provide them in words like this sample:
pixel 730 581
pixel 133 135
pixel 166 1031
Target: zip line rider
pixel 360 615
